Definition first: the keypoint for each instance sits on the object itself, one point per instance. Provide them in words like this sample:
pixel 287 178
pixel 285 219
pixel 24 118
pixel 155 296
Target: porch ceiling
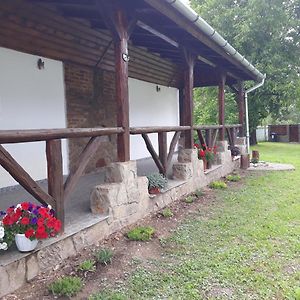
pixel 158 34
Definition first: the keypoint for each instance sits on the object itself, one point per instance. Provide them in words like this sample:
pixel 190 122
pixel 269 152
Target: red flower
pixel 201 153
pixel 6 220
pixel 25 221
pixel 25 205
pixel 41 235
pixel 40 222
pixel 50 223
pixel 197 146
pixel 9 210
pixel 44 212
pixel 29 233
pixel 57 225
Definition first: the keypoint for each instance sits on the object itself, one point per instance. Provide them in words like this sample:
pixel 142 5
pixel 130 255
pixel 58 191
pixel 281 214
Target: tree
pixel 267 32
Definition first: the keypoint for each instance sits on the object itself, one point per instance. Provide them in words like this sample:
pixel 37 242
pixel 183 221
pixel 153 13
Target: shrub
pixel 87 266
pixel 189 199
pixel 156 180
pixel 199 193
pixel 167 213
pixel 104 256
pixel 218 185
pixel 233 178
pixel 141 233
pixel 67 286
pixel 254 160
pixel 297 293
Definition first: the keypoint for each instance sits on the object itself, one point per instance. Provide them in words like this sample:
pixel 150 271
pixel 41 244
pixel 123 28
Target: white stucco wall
pixel 30 99
pixel 147 107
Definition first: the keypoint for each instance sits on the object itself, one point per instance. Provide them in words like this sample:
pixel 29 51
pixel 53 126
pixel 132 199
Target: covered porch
pixel 89 165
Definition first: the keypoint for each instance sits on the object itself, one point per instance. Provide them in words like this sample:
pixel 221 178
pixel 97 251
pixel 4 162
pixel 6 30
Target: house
pixel 95 82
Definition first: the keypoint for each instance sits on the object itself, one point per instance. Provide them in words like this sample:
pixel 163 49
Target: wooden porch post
pixel 116 19
pixel 187 104
pixel 241 107
pixel 222 81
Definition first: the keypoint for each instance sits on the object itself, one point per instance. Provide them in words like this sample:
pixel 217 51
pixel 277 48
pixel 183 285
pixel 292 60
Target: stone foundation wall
pixel 90 102
pixel 125 199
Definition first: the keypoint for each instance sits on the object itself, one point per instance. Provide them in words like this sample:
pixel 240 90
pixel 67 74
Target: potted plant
pixel 156 182
pixel 28 223
pixel 207 154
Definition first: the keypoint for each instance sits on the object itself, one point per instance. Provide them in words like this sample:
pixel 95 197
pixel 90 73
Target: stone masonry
pixel 124 198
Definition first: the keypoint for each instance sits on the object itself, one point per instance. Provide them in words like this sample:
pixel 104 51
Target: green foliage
pixel 199 193
pixel 220 185
pixel 167 213
pixel 108 295
pixel 297 293
pixel 267 33
pixel 66 286
pixel 104 256
pixel 87 266
pixel 156 180
pixel 233 177
pixel 141 233
pixel 189 199
pixel 254 160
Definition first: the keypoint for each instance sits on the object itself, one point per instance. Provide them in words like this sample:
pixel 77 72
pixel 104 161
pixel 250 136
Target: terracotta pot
pixel 154 191
pixel 24 244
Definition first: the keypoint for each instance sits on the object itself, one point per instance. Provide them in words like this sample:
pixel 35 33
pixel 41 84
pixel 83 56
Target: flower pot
pixel 24 244
pixel 154 191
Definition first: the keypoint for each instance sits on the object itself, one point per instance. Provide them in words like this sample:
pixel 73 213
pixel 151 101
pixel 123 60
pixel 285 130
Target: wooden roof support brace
pixel 222 81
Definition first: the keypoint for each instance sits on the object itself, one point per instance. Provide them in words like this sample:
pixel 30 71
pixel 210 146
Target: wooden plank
pixel 230 140
pixel 203 127
pixel 157 129
pixel 214 137
pixel 221 97
pixel 241 107
pixel 173 144
pixel 208 137
pixel 153 153
pixel 84 158
pixel 55 177
pixel 35 135
pixel 163 152
pixel 23 178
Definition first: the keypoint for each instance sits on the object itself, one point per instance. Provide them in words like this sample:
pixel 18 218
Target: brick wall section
pixel 90 102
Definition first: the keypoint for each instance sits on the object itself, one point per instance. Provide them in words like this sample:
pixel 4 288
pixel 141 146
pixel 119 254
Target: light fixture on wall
pixel 40 64
pixel 158 88
pixel 125 57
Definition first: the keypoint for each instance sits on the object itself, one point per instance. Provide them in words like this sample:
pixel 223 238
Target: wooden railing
pixel 163 158
pixel 58 190
pixel 232 132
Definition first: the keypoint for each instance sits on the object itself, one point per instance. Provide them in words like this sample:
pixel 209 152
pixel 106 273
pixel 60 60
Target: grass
pixel 233 178
pixel 67 286
pixel 141 233
pixel 243 246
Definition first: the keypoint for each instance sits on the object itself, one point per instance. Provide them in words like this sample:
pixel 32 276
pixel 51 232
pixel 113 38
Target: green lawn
pixel 243 246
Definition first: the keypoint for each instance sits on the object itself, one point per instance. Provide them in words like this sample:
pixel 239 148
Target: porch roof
pixel 164 27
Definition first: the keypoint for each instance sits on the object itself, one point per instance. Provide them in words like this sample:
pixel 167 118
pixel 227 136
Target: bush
pixel 167 213
pixel 254 160
pixel 104 256
pixel 233 178
pixel 218 185
pixel 156 180
pixel 141 234
pixel 87 266
pixel 189 199
pixel 199 193
pixel 67 286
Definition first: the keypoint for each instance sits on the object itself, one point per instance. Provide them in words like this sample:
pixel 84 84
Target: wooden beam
pixel 188 105
pixel 153 153
pixel 157 129
pixel 163 152
pixel 84 158
pixel 23 178
pixel 55 177
pixel 222 80
pixel 173 144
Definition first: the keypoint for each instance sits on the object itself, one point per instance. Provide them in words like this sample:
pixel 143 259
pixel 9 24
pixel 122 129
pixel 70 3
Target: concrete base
pixel 122 200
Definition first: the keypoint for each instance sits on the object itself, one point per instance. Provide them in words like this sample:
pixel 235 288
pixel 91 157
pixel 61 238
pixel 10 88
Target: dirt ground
pixel 125 252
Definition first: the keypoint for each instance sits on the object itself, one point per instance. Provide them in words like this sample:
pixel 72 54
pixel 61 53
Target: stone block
pixel 32 267
pixel 186 155
pixel 182 171
pixel 121 172
pixel 4 282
